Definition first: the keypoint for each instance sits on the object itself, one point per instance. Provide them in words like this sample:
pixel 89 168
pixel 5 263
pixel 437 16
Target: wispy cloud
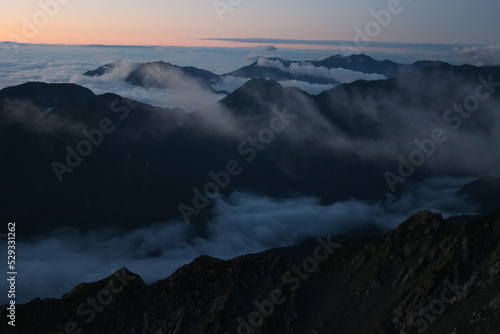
pixel 337 43
pixel 261 51
pixel 338 74
pixel 182 97
pixel 243 223
pixel 478 55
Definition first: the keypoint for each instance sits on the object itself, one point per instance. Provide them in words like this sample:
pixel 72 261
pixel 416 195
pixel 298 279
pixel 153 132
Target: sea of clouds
pixel 67 63
pixel 53 264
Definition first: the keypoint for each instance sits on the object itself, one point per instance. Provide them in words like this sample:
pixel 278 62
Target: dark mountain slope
pixel 299 152
pixel 369 108
pixel 128 178
pixel 48 95
pixel 148 164
pixel 421 277
pixel 484 192
pixel 336 146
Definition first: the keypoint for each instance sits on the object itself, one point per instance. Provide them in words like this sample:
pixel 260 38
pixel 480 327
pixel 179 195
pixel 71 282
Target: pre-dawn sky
pixel 183 22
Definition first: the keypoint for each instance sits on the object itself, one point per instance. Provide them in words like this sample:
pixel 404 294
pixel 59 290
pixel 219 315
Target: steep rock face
pixel 210 295
pixel 423 277
pixel 207 296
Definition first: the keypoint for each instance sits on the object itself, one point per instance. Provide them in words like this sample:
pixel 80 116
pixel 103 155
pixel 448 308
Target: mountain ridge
pixel 416 277
pixel 357 63
pixel 155 74
pixel 311 156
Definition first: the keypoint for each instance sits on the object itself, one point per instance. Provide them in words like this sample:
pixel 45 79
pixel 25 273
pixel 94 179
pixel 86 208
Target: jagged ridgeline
pixel 423 277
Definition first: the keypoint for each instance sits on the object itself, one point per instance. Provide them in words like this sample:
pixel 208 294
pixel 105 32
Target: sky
pixel 190 23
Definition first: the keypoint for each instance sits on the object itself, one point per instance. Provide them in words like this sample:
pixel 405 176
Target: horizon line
pixel 281 41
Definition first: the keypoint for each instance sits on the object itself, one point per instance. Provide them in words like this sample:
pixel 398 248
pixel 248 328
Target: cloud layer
pixel 243 223
pixel 113 81
pixel 488 55
pixel 261 51
pixel 338 74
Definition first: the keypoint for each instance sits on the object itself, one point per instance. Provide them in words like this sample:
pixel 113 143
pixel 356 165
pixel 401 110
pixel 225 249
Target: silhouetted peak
pixel 118 280
pixel 252 97
pixel 48 94
pixel 106 68
pixel 261 86
pixel 423 221
pixel 360 57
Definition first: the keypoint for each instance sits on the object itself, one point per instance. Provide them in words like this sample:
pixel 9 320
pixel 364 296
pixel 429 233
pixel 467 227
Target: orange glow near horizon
pixel 63 33
pixel 91 37
pixel 75 37
pixel 184 23
pixel 110 23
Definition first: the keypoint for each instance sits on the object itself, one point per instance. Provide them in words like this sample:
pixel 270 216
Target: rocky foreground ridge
pixel 423 277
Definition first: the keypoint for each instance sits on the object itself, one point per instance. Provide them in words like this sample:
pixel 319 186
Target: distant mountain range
pixel 356 63
pixel 337 146
pixel 165 75
pixel 424 276
pixel 366 64
pixel 279 70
